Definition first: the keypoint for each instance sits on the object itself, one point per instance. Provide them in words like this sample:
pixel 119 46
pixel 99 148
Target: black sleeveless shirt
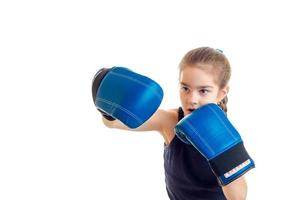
pixel 187 173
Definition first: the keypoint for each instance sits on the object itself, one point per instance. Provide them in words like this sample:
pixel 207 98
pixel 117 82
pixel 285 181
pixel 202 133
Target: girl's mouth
pixel 191 109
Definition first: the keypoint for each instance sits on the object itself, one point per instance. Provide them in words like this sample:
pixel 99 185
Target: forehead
pixel 197 77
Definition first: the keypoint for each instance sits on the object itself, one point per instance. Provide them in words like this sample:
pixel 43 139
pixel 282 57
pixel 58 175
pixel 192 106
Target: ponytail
pixel 223 104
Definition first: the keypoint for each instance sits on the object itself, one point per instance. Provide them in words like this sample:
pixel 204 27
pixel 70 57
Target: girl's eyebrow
pixel 198 87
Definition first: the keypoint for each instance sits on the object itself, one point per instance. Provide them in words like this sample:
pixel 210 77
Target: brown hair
pixel 212 60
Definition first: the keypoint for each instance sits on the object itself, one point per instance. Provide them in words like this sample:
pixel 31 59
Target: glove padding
pixel 180 135
pixel 122 94
pixel 211 133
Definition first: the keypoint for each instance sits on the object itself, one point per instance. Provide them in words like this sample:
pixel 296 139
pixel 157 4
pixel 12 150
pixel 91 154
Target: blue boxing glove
pixel 180 135
pixel 122 94
pixel 211 133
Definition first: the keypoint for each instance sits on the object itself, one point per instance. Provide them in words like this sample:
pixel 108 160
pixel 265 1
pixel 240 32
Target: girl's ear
pixel 222 93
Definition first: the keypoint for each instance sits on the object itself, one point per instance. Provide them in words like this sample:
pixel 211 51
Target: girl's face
pixel 197 88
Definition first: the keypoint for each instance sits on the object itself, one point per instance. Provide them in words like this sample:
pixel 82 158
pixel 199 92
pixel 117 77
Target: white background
pixel 53 144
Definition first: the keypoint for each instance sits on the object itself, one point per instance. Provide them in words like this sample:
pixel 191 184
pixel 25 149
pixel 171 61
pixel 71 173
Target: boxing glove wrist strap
pixel 106 116
pixel 233 159
pixel 97 81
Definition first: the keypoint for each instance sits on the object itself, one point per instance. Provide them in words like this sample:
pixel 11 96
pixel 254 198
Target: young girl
pixel 204 74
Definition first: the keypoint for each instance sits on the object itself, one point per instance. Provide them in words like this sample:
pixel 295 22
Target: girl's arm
pixel 161 121
pixel 153 124
pixel 236 190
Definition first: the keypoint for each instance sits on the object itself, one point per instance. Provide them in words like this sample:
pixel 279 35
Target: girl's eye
pixel 185 89
pixel 203 91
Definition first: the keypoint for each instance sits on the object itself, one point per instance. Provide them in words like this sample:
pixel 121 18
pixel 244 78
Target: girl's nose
pixel 193 98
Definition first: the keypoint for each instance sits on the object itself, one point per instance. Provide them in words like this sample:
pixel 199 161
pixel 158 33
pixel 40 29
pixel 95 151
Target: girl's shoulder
pixel 169 121
pixel 170 115
pixel 172 111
